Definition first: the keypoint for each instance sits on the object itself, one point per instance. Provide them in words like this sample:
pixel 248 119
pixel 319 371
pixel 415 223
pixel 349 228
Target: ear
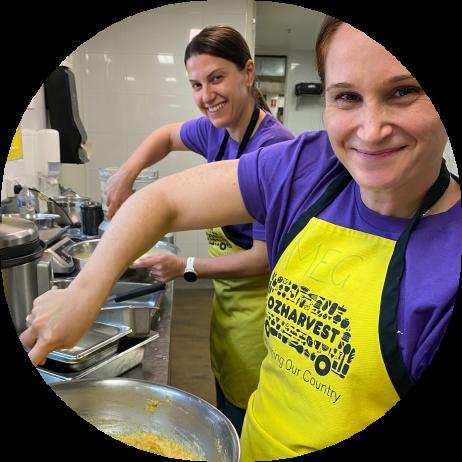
pixel 249 70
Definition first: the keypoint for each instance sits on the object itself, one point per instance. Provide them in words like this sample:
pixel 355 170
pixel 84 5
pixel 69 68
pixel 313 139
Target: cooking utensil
pixel 71 206
pixel 121 406
pixel 155 287
pixel 43 197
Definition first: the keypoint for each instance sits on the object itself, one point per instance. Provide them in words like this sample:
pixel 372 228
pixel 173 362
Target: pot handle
pixel 44 273
pixel 136 293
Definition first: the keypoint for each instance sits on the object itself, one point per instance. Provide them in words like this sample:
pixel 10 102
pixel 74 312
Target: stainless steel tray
pixel 99 342
pixel 140 314
pixel 110 367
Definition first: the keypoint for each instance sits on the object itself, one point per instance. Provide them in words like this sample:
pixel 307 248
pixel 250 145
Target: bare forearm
pixel 153 149
pixel 252 262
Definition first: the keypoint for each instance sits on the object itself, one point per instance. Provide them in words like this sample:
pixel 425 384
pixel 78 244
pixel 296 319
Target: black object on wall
pixel 308 88
pixel 63 115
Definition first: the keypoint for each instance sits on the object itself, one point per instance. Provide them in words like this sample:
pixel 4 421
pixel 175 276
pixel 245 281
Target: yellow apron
pixel 334 365
pixel 236 336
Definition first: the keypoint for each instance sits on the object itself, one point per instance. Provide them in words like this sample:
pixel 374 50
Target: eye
pixel 346 97
pixel 195 85
pixel 216 78
pixel 407 91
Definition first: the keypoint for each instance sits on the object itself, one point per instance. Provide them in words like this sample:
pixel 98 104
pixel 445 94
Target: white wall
pixel 123 93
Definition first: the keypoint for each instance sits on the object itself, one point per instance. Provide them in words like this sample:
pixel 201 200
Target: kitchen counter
pixel 155 367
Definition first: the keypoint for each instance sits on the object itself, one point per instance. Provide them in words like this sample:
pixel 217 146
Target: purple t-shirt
pixel 202 137
pixel 279 183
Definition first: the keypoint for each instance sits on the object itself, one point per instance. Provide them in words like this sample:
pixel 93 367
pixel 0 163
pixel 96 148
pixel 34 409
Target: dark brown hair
pixel 328 28
pixel 227 43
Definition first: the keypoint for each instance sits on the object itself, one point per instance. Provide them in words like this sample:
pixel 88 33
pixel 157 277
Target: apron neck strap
pixel 245 139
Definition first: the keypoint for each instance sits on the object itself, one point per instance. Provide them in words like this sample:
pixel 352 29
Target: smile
pixel 378 154
pixel 213 109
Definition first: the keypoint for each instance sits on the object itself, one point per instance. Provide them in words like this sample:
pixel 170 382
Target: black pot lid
pixel 16 232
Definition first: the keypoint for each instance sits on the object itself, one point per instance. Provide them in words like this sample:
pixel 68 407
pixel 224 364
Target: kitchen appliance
pixel 92 216
pixel 61 262
pixel 26 269
pixel 120 406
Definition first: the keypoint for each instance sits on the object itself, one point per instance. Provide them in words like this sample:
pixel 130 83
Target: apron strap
pixel 245 140
pixel 332 191
pixel 228 230
pixel 388 326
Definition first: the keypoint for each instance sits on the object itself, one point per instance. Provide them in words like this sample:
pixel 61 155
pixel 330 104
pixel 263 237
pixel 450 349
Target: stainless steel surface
pixel 119 406
pixel 113 366
pixel 82 251
pixel 16 231
pixel 61 263
pixel 140 314
pixel 26 270
pixel 41 220
pixel 51 235
pixel 99 342
pixel 71 207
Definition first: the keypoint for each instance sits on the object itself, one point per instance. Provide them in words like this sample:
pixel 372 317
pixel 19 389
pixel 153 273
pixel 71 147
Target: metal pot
pixel 68 209
pixel 26 269
pixel 118 406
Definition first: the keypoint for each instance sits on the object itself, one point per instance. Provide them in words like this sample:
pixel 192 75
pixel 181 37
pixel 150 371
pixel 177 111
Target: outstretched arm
pixel 180 202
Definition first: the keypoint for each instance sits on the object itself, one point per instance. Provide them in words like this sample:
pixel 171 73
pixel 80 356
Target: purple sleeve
pixel 194 135
pixel 258 232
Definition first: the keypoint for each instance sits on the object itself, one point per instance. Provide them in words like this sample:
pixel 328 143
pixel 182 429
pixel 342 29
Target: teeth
pixel 215 108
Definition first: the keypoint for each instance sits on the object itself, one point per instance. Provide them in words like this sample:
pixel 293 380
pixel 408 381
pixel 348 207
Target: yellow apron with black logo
pixel 236 338
pixel 334 365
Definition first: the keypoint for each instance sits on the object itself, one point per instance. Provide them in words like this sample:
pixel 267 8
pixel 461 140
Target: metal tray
pixel 113 366
pixel 99 342
pixel 141 314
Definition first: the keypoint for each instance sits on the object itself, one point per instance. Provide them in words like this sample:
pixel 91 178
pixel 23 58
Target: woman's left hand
pixel 163 267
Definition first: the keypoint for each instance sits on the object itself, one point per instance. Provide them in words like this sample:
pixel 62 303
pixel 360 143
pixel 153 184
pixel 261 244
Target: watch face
pixel 190 276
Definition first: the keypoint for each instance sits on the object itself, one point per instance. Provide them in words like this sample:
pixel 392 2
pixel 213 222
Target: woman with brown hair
pixel 235 120
pixel 362 227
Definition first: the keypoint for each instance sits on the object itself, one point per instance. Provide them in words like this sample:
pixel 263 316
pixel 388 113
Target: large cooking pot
pixel 119 405
pixel 68 209
pixel 26 269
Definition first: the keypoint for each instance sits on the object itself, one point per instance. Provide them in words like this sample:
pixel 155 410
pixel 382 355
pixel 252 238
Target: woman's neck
pixel 404 204
pixel 237 132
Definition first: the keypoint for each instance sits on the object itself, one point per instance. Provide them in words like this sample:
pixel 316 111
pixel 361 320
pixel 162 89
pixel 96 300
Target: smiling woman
pixel 363 278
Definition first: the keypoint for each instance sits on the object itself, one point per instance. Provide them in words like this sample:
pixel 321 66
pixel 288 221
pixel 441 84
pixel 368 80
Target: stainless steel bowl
pixel 81 252
pixel 118 405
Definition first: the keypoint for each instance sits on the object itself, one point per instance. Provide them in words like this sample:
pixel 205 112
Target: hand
pixel 118 189
pixel 59 318
pixel 163 267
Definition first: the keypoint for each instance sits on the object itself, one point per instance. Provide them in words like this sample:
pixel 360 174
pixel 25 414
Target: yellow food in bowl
pixel 155 444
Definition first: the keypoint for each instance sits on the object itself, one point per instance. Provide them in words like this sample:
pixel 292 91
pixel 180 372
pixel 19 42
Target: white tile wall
pixel 124 92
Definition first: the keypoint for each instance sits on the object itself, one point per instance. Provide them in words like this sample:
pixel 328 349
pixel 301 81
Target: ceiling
pixel 287 27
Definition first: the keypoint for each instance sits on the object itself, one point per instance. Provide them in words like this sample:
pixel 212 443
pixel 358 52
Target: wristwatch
pixel 190 274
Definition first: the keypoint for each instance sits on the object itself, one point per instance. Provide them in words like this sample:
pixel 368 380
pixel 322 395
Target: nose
pixel 374 123
pixel 207 94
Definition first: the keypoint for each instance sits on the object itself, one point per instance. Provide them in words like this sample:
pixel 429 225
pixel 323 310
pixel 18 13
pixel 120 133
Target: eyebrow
pixel 395 79
pixel 211 73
